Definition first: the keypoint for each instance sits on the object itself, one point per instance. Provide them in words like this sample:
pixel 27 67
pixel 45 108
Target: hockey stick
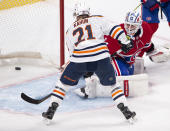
pixel 137 7
pixel 32 100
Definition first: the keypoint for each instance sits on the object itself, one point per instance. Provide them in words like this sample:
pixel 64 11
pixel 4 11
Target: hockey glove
pixel 160 55
pixel 150 4
pixel 164 3
pixel 127 46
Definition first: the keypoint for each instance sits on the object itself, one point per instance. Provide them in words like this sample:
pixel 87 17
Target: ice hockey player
pixel 140 33
pixel 89 52
pixel 150 10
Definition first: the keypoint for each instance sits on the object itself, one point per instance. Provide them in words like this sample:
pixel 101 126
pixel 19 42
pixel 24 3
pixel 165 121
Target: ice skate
pixel 48 116
pixel 129 115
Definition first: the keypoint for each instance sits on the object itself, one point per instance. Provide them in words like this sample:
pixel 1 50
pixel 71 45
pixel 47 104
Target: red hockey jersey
pixel 142 43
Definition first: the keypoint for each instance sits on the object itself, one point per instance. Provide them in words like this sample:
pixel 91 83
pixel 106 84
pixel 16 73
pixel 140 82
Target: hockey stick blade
pixel 32 100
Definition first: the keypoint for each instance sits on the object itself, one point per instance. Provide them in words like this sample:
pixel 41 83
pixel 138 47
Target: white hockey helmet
pixel 133 22
pixel 81 9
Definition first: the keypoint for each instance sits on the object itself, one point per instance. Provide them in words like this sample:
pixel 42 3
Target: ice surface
pixel 76 114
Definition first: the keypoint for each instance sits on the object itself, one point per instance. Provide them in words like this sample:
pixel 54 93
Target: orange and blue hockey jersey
pixel 85 39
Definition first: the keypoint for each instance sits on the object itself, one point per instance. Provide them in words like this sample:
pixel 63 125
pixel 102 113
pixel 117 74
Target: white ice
pixel 76 114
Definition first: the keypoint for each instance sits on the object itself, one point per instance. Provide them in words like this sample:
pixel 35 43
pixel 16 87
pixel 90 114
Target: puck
pixel 17 68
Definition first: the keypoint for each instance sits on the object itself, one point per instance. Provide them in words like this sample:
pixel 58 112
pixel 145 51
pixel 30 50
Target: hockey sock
pixel 118 96
pixel 58 95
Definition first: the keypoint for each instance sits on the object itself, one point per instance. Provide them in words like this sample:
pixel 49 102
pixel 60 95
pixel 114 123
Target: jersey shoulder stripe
pixel 116 31
pixel 96 16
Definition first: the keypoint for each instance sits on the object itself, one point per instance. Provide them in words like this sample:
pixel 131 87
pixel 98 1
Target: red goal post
pixel 62 32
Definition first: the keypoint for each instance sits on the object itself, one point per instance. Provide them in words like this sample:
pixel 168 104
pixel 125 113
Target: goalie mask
pixel 81 9
pixel 133 23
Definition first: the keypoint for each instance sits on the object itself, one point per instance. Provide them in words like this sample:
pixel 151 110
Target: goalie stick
pixel 32 100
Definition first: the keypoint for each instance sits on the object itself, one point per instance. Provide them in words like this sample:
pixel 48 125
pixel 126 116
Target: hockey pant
pixel 74 71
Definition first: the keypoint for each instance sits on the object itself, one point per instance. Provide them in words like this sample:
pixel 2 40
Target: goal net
pixel 30 31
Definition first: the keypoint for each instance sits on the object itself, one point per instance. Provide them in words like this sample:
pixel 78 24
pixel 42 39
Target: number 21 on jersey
pixel 81 32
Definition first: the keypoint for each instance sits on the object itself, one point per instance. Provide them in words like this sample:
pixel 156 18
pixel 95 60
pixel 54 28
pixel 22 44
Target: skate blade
pixel 46 121
pixel 132 120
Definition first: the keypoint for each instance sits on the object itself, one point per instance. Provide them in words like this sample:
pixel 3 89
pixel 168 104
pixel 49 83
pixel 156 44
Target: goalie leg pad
pixel 134 85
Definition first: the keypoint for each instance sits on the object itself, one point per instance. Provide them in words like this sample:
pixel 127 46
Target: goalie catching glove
pixel 160 55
